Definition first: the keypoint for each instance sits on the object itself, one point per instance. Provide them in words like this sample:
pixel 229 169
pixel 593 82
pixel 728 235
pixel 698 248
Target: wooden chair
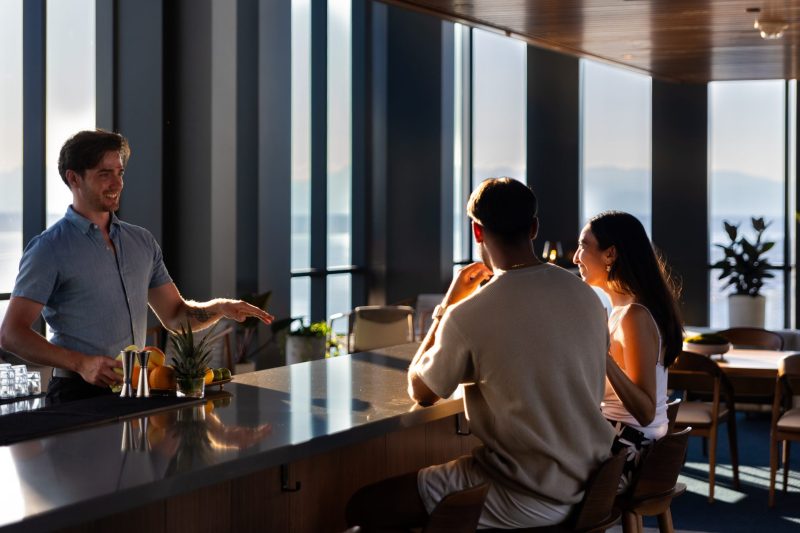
pixel 458 512
pixel 597 510
pixel 753 394
pixel 753 338
pixel 692 372
pixel 655 484
pixel 785 419
pixel 377 326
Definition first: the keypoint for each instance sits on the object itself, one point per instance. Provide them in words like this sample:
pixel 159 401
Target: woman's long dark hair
pixel 642 273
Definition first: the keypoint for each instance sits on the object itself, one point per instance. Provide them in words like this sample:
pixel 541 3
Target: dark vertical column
pixel 795 259
pixel 359 149
pixel 680 190
pixel 105 50
pixel 187 143
pixel 553 145
pixel 33 110
pixel 376 186
pixel 319 156
pixel 447 173
pixel 247 147
pixel 274 150
pixel 137 104
pixel 410 177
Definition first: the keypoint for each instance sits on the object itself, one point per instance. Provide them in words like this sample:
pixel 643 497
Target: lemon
pixel 225 373
pixel 217 374
pixel 131 347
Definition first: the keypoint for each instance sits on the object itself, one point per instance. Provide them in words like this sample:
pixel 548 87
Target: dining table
pixel 751 363
pixel 752 374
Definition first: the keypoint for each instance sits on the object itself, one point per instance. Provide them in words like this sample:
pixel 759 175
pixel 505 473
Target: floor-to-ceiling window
pixel 615 142
pixel 337 270
pixel 749 164
pixel 301 157
pixel 69 44
pixel 339 137
pixel 10 144
pixel 70 93
pixel 490 119
pixel 499 77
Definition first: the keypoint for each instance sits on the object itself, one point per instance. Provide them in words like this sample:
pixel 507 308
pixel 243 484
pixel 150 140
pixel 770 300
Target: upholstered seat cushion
pixel 790 421
pixel 697 414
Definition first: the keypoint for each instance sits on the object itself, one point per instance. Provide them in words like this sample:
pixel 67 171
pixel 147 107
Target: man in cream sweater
pixel 528 340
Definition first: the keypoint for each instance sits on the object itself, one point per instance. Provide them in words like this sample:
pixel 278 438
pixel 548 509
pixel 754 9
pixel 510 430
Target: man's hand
pixel 466 282
pixel 240 311
pixel 99 370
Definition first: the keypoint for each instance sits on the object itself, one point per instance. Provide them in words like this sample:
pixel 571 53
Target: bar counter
pixel 279 449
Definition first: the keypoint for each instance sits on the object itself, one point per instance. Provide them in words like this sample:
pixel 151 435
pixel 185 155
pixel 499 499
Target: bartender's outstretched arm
pixel 173 311
pixel 18 337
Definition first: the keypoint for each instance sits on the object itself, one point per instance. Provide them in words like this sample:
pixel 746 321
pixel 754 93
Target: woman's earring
pixel 608 268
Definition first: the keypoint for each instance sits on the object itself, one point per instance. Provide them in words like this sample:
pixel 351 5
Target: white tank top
pixel 612 406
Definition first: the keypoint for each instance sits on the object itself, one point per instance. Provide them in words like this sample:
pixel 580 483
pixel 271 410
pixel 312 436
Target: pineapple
pixel 190 361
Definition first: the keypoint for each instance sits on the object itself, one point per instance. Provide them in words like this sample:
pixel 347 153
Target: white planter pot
pixel 301 349
pixel 746 311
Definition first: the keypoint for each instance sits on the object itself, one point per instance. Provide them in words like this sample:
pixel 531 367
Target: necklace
pixel 519 265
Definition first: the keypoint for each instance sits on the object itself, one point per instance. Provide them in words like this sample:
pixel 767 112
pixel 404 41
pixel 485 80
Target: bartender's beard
pixel 484 255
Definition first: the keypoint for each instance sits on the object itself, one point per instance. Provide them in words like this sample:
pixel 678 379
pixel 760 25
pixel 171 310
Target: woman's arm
pixel 635 384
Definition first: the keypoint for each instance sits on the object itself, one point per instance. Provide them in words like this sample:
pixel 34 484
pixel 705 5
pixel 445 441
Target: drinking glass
pixel 20 380
pixel 6 381
pixel 34 382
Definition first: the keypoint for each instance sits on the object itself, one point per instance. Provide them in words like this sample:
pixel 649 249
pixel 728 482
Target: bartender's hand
pixel 99 370
pixel 240 311
pixel 466 282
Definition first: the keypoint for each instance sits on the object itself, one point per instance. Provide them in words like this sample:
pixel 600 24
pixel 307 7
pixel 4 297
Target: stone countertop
pixel 260 420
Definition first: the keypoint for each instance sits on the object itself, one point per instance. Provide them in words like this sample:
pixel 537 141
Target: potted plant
pixel 746 268
pixel 190 361
pixel 307 343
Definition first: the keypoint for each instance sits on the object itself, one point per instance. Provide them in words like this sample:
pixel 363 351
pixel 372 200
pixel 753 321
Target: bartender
pixel 91 276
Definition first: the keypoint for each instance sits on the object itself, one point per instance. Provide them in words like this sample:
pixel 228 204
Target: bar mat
pixel 52 419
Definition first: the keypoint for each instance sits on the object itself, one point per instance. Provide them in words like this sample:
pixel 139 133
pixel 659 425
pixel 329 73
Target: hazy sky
pixel 499 87
pixel 10 86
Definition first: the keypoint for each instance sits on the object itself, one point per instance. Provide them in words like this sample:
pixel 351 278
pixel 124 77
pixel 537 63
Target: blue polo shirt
pixel 94 301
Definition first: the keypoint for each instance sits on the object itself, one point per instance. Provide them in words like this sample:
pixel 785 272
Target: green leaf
pixel 730 229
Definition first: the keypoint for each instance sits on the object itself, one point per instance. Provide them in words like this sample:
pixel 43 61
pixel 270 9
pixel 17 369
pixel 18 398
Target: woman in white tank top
pixel 615 255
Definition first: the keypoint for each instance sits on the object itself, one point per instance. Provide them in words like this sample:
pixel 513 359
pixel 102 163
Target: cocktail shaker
pixel 128 358
pixel 143 391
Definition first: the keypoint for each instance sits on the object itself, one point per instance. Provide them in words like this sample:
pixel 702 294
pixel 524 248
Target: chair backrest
pixel 597 504
pixel 753 338
pixel 376 326
pixel 459 511
pixel 423 308
pixel 787 385
pixel 672 414
pixel 659 468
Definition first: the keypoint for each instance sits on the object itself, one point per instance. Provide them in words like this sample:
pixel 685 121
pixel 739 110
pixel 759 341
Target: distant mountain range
pixel 736 194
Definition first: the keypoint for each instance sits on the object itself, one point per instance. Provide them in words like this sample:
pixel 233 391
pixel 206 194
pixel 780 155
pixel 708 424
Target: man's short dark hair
pixel 86 149
pixel 504 207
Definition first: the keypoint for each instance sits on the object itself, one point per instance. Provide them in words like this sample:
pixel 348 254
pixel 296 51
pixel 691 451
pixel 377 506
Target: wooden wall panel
pixel 200 511
pixel 258 504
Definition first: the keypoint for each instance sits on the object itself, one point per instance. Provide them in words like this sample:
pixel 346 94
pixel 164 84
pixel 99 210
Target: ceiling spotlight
pixel 771 28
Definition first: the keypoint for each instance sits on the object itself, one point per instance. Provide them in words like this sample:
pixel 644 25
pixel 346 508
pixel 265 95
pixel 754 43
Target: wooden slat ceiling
pixel 692 41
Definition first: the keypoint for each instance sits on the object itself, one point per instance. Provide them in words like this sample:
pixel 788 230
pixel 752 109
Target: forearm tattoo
pixel 199 314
